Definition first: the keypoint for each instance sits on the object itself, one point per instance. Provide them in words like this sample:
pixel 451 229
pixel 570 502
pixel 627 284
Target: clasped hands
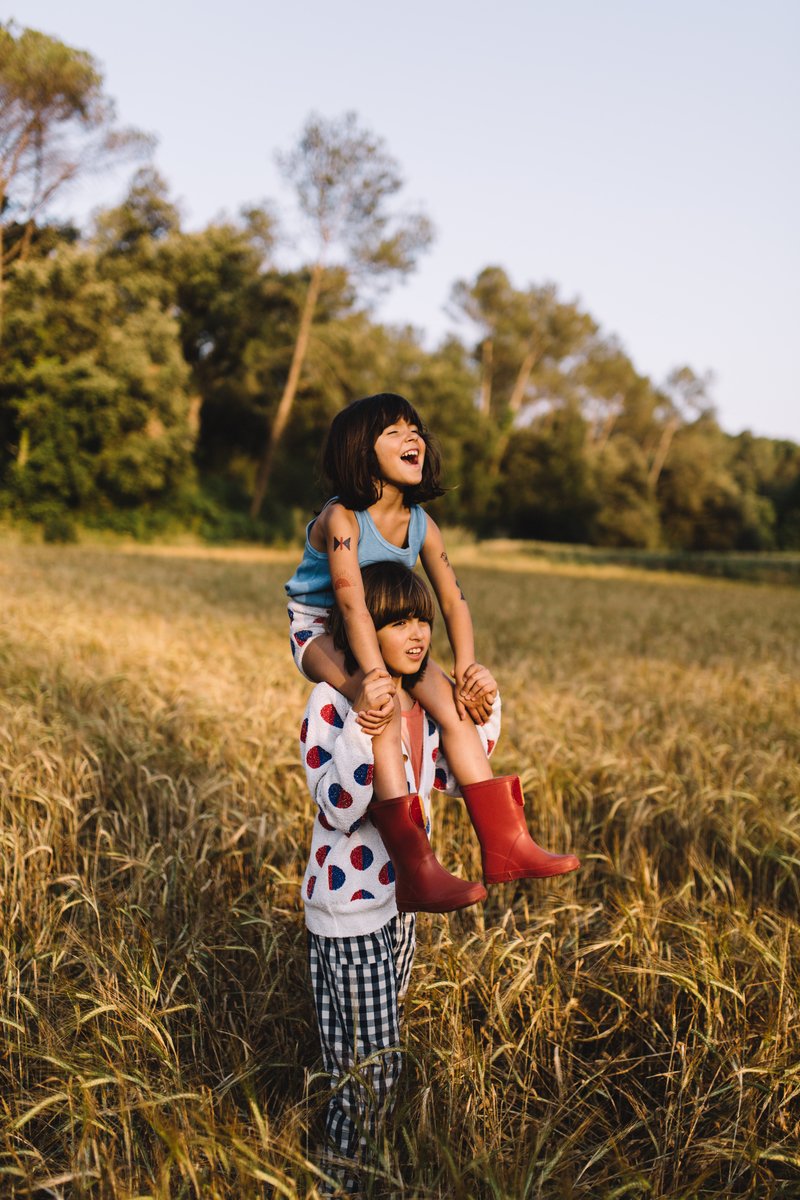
pixel 475 690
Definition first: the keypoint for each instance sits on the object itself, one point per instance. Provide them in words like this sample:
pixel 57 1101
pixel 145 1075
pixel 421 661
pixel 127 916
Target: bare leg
pixel 389 777
pixel 323 663
pixel 460 739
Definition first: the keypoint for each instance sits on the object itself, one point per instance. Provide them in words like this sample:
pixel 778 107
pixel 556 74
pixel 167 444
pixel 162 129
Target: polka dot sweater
pixel 348 887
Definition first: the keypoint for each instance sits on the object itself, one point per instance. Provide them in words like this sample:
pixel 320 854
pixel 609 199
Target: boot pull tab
pixel 416 813
pixel 516 791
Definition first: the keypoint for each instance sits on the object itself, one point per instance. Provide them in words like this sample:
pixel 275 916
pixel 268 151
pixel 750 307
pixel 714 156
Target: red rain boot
pixel 421 882
pixel 508 851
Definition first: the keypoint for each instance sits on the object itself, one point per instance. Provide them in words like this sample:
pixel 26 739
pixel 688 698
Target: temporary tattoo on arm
pixel 341 582
pixel 341 543
pixel 444 558
pixel 463 597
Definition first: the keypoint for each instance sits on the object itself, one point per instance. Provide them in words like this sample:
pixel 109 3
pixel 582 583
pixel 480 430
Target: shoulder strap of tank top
pixel 417 529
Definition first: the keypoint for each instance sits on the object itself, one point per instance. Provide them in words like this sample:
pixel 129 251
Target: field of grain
pixel 632 1030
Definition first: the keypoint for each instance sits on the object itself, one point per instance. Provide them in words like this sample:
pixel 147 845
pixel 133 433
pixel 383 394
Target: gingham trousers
pixel 357 983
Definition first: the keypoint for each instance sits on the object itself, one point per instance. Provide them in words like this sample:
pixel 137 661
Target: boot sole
pixel 470 898
pixel 507 876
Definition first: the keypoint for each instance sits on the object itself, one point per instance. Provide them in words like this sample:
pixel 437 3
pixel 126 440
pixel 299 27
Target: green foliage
pixel 703 506
pixel 95 392
pixel 55 122
pixel 547 490
pixel 628 515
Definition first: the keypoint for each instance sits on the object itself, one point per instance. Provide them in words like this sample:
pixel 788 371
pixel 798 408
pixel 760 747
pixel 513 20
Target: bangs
pixel 392 408
pixel 393 592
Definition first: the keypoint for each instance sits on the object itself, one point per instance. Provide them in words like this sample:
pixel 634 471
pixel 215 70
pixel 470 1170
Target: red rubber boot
pixel 508 851
pixel 421 882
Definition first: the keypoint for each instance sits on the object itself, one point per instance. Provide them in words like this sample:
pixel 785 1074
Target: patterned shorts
pixel 306 622
pixel 357 984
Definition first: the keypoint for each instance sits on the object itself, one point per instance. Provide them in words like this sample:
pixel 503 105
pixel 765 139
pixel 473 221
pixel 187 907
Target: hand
pixel 374 704
pixel 476 689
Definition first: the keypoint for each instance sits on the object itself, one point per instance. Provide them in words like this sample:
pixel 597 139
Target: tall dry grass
pixel 629 1031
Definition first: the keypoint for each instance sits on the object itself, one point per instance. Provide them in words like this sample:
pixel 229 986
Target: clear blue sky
pixel 643 156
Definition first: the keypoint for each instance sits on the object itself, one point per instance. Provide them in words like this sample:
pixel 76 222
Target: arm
pixel 337 756
pixel 455 609
pixel 340 529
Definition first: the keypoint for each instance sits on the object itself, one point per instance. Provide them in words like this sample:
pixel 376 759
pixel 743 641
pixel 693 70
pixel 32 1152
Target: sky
pixel 642 156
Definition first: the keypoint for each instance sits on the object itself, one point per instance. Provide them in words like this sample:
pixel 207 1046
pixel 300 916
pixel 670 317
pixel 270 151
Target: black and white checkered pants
pixel 357 983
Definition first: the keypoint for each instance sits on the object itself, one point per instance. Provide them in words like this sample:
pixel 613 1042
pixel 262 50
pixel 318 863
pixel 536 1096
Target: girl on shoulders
pixel 383 463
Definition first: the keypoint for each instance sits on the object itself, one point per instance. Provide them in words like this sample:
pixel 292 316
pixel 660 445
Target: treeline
pixel 151 376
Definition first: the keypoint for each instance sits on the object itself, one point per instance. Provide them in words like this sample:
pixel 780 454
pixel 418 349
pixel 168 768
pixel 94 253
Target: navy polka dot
pixel 335 878
pixel 338 797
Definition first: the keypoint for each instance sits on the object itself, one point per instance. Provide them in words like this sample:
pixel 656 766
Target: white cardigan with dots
pixel 348 887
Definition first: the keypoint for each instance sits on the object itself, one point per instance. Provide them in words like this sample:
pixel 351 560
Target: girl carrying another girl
pixel 370 854
pixel 383 462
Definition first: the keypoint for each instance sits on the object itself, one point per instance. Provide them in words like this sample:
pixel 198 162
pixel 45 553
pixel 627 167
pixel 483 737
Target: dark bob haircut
pixel 349 460
pixel 391 592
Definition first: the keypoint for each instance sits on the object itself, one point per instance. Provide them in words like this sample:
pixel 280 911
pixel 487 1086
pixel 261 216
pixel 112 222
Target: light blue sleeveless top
pixel 311 582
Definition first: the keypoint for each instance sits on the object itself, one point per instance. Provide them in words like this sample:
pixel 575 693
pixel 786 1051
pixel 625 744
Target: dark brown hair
pixel 391 592
pixel 349 460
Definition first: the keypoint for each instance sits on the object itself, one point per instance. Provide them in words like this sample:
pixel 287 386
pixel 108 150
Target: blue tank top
pixel 311 582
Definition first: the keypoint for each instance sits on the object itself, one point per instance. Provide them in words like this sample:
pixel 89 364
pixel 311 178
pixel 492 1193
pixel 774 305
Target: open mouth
pixel 411 456
pixel 414 653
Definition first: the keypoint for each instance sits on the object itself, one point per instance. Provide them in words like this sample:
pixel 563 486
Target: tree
pixel 486 302
pixel 683 395
pixel 93 389
pixel 547 487
pixel 344 179
pixel 533 344
pixel 55 122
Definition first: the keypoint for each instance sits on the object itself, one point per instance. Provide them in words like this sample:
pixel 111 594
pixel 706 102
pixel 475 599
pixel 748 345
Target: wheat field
pixel 632 1030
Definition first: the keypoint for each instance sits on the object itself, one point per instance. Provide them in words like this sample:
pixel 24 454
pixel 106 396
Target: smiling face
pixel 400 451
pixel 404 644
